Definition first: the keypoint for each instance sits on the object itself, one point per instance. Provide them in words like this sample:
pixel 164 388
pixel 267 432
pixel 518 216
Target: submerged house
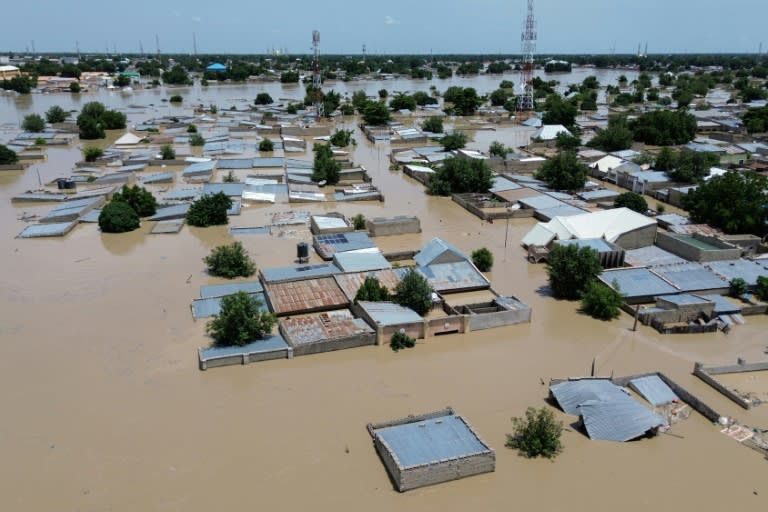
pixel 447 269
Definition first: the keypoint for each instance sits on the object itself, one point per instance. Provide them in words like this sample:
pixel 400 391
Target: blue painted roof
pixel 431 441
pixel 617 420
pixel 653 389
pixel 389 313
pixel 447 277
pixel 438 251
pixel 569 394
pixel 748 270
pixel 269 344
pixel 216 67
pixel 597 244
pixel 637 282
pixel 690 277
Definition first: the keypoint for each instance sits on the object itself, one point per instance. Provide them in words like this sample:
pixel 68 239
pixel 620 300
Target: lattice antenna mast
pixel 528 38
pixel 317 77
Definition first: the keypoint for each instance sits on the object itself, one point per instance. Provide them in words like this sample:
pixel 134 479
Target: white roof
pixel 607 163
pixel 8 68
pixel 540 235
pixel 550 132
pixel 606 224
pixel 420 168
pixel 128 139
pixel 714 171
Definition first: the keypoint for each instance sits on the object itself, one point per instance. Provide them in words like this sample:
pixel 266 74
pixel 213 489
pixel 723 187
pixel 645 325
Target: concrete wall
pixel 445 471
pixel 690 252
pixel 399 225
pixel 318 347
pixel 445 325
pixel 309 131
pixel 638 238
pixel 243 358
pixel 481 206
pixel 491 320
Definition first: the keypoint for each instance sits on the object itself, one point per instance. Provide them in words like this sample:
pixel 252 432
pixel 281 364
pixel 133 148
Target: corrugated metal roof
pixel 360 261
pixel 653 389
pixel 350 283
pixel 268 162
pixel 273 275
pixel 235 163
pixel 690 277
pixel 438 250
pixel 501 184
pixel 539 235
pixel 541 202
pixel 448 277
pixel 163 177
pixel 617 420
pixel 598 244
pixel 199 168
pixel 324 222
pixel 431 441
pixel 571 393
pixel 597 195
pixel 178 211
pixel 329 244
pixel 723 306
pixel 205 308
pixel 183 194
pixel 305 296
pixel 637 282
pixel 43 230
pixel 389 313
pixel 371 195
pixel 270 343
pixel 166 227
pixel 229 189
pixel 220 290
pixel 324 327
pixel 747 270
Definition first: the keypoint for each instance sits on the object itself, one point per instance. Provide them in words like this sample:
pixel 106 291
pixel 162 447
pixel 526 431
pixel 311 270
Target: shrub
pixel 414 292
pixel 571 269
pixel 342 138
pixel 40 141
pixel 92 153
pixel 209 210
pixel 358 221
pixel 761 290
pixel 433 124
pixel 74 87
pixel 176 98
pixel 230 177
pixel 7 156
pixel 631 200
pixel 196 140
pixel 537 434
pixel 455 140
pixel 372 291
pixel 263 98
pixel 167 152
pixel 230 261
pixel 601 302
pixel 240 321
pixel 140 199
pixel 118 217
pixel 192 128
pixel 33 123
pixel 498 149
pixel 483 259
pixel 325 167
pixel 737 287
pixel 401 340
pixel 266 145
pixel 461 175
pixel 564 172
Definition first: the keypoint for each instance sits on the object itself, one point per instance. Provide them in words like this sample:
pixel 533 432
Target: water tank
pixel 302 252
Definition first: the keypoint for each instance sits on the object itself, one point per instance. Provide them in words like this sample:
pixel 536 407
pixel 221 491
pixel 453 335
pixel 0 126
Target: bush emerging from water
pixel 266 145
pixel 401 340
pixel 414 292
pixel 240 321
pixel 372 291
pixel 140 199
pixel 483 259
pixel 537 434
pixel 209 210
pixel 230 261
pixel 601 302
pixel 118 217
pixel 358 221
pixel 7 156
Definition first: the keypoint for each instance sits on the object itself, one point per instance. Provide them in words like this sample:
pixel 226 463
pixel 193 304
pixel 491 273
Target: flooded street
pixel 104 407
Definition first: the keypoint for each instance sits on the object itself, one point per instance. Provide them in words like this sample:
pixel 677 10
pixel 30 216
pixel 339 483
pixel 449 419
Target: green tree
pixel 537 434
pixel 400 340
pixel 121 81
pixel 461 175
pixel 196 140
pixel 734 202
pixel 74 87
pixel 176 98
pixel 263 98
pixel 631 200
pixel 692 166
pixel 565 142
pixel 209 210
pixel 464 100
pixel 422 98
pixel 192 128
pixel 664 127
pixel 756 120
pixel 414 292
pixel 140 199
pixel 570 269
pixel 266 145
pixel 615 137
pixel 118 217
pixel 56 114
pixel 325 167
pixel 92 153
pixel 602 302
pixel 7 156
pixel 455 140
pixel 167 152
pixel 177 75
pixel 372 291
pixel 564 172
pixel 230 261
pixel 737 287
pixel 402 102
pixel 376 113
pixel 240 321
pixel 433 124
pixel 761 290
pixel 289 77
pixel 666 160
pixel 358 221
pixel 342 138
pixel 498 149
pixel 559 111
pixel 94 118
pixel 33 123
pixel 483 259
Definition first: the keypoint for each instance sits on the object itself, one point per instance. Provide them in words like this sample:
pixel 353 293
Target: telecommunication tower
pixel 528 37
pixel 317 77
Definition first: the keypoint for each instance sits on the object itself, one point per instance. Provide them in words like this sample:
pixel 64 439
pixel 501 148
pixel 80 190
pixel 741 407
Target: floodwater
pixel 104 407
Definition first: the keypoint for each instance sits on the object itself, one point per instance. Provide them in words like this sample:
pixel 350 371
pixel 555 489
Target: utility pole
pixel 157 45
pixel 317 77
pixel 525 100
pixel 194 43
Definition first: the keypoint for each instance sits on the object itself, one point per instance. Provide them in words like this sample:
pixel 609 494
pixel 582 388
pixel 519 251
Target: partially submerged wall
pixel 399 225
pixel 706 374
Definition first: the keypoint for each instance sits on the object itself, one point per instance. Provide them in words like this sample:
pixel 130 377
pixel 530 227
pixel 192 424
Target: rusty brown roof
pixel 350 283
pixel 323 327
pixel 305 296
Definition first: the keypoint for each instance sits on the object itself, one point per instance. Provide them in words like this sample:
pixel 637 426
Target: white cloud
pixel 389 20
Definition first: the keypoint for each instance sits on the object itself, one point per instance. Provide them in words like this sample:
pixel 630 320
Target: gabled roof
pixel 438 251
pixel 618 420
pixel 607 224
pixel 607 163
pixel 128 139
pixel 550 132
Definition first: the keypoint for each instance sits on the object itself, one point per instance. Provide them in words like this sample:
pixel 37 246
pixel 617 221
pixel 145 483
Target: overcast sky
pixel 391 26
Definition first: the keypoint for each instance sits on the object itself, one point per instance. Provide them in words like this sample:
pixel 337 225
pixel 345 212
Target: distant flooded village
pixel 228 276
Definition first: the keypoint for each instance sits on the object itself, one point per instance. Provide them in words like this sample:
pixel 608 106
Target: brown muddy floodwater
pixel 104 407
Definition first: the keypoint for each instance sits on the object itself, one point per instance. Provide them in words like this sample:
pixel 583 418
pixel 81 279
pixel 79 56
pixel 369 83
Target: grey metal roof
pixel 178 211
pixel 206 308
pixel 447 277
pixel 274 275
pixel 673 219
pixel 500 184
pixel 389 313
pixel 91 217
pixel 360 261
pixel 651 256
pixel 298 164
pixel 183 194
pixel 690 277
pixel 268 162
pixel 358 196
pixel 39 197
pixel 748 270
pixel 598 244
pixel 270 343
pixel 541 202
pixel 199 168
pixel 596 195
pixel 685 299
pixel 43 230
pixel 163 177
pixel 617 420
pixel 229 189
pixel 168 227
pixel 438 250
pixel 569 394
pixel 562 210
pixel 342 242
pixel 653 389
pixel 235 163
pixel 431 441
pixel 71 210
pixel 236 207
pixel 220 290
pixel 637 282
pixel 723 306
pixel 263 230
